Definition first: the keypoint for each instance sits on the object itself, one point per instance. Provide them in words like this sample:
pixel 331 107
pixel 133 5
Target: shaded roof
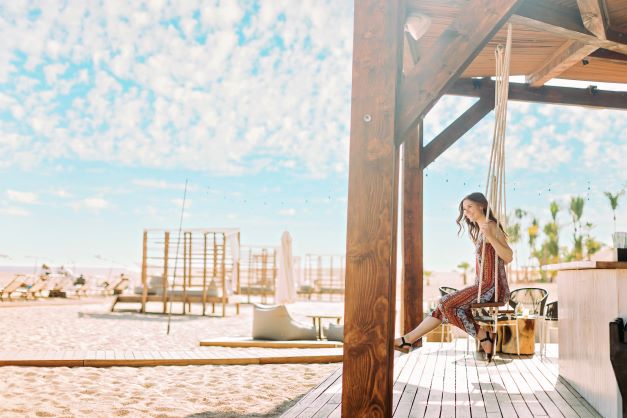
pixel 549 39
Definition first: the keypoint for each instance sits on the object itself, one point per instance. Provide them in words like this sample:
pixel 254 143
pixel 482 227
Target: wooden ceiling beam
pixel 456 130
pixel 593 16
pixel 567 23
pixel 609 55
pixel 569 54
pixel 451 54
pixel 589 97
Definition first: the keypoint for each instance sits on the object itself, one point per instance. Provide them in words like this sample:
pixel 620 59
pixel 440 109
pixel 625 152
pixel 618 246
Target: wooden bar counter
pixel 591 294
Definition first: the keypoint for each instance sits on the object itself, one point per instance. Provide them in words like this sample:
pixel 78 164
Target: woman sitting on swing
pixel 454 308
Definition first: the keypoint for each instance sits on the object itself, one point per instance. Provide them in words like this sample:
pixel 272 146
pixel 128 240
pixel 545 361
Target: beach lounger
pixel 116 287
pixel 35 290
pixel 12 287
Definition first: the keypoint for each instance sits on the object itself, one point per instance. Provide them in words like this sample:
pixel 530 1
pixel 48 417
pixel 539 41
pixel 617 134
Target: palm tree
pixel 592 245
pixel 513 236
pixel 576 211
pixel 464 266
pixel 613 198
pixel 532 232
pixel 427 275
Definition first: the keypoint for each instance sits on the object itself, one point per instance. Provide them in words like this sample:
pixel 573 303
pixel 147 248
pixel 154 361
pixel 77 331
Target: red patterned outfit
pixel 454 308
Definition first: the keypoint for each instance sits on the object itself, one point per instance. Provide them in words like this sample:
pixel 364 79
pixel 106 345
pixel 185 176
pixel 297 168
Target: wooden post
pixel 412 220
pixel 369 310
pixel 184 271
pixel 164 282
pixel 237 284
pixel 223 264
pixel 332 281
pixel 144 272
pixel 264 273
pixel 204 274
pixel 189 267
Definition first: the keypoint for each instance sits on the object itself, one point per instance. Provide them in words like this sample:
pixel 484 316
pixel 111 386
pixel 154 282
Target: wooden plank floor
pixel 101 358
pixel 443 380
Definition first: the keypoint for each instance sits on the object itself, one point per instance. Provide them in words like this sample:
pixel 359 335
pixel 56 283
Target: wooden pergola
pixel 406 55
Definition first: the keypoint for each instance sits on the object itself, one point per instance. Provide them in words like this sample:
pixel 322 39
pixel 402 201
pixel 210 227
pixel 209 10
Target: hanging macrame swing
pixel 495 183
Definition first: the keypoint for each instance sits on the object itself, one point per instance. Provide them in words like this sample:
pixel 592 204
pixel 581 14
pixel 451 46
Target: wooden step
pixel 126 358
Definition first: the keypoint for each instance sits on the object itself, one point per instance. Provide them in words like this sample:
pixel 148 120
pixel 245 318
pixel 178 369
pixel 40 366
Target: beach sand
pixel 172 391
pixel 190 391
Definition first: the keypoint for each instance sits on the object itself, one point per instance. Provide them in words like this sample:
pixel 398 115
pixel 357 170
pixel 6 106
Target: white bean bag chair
pixel 334 332
pixel 275 323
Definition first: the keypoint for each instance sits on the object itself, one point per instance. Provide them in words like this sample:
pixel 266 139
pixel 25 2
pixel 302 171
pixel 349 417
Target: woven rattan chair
pixel 532 298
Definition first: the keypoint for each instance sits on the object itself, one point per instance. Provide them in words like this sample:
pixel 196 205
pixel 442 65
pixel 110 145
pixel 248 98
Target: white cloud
pixel 207 97
pixel 22 197
pixel 162 184
pixel 91 203
pixel 165 85
pixel 14 211
pixel 178 203
pixel 61 193
pixel 287 212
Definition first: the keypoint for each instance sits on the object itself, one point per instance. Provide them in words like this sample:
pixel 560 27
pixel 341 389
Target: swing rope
pixel 495 182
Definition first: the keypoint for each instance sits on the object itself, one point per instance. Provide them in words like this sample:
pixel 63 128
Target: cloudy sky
pixel 107 107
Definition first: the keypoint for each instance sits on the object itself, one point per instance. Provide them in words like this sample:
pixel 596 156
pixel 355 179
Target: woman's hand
pixel 495 237
pixel 486 230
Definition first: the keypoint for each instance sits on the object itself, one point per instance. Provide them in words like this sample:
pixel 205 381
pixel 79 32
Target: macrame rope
pixel 495 182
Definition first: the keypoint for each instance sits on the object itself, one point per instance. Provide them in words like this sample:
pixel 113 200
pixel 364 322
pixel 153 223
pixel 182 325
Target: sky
pixel 108 108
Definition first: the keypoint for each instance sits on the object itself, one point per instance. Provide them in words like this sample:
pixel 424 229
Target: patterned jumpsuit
pixel 454 308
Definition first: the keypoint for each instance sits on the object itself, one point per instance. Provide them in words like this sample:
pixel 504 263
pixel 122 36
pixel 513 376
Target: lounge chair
pixel 117 286
pixel 35 290
pixel 275 323
pixel 12 287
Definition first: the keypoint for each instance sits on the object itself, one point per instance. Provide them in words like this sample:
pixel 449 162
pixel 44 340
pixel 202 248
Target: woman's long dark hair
pixel 473 228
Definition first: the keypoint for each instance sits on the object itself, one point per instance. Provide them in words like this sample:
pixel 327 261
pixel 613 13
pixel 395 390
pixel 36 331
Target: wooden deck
pixel 445 381
pixel 169 358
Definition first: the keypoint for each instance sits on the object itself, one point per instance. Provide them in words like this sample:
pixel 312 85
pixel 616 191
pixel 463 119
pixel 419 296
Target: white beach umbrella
pixel 285 289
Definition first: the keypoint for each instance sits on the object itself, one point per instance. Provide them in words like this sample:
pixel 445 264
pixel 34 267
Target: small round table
pixel 317 321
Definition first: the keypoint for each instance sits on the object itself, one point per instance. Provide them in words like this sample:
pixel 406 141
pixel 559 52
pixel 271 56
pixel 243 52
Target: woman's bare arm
pixel 495 236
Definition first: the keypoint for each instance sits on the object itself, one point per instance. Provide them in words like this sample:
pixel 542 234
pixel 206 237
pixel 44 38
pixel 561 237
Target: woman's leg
pixel 427 325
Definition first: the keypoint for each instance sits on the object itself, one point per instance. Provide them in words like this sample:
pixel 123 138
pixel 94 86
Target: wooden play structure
pixel 324 274
pixel 258 272
pixel 206 270
pixel 406 55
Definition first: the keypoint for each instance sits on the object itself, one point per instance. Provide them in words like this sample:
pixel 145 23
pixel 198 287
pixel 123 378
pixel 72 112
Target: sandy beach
pixel 167 391
pixel 190 391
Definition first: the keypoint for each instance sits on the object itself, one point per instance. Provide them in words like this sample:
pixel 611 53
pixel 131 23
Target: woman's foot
pixel 486 342
pixel 402 345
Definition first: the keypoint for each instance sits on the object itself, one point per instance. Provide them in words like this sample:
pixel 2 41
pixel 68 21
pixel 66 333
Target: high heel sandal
pixel 487 338
pixel 404 347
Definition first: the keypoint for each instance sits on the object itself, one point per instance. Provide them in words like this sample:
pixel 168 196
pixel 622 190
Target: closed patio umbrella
pixel 285 289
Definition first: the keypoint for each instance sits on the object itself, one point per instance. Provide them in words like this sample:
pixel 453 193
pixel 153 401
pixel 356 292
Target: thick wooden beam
pixel 609 55
pixel 569 54
pixel 456 130
pixel 369 308
pixel 412 221
pixel 590 97
pixel 566 23
pixel 593 17
pixel 475 25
